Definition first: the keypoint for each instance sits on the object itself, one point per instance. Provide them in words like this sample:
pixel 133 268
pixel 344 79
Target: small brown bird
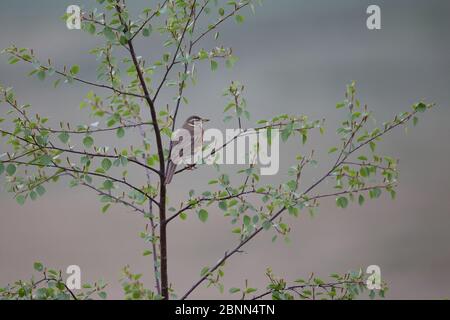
pixel 194 125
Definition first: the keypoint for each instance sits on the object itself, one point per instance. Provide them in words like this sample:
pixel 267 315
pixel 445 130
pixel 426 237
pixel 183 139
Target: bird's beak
pixel 205 120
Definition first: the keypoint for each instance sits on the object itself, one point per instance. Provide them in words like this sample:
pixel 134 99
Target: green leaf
pixel 361 199
pixel 41 75
pixel 33 195
pixel 102 294
pixel 234 290
pixel 75 69
pixel 204 271
pixel 375 193
pixel 230 62
pixel 123 40
pixel 203 215
pixel 2 168
pixel 11 169
pixel 106 164
pixel 38 266
pixel 146 32
pixel 364 172
pixel 393 194
pixel 342 202
pixel 105 207
pixel 214 65
pixel 108 184
pixel 109 34
pixel 223 205
pixel 40 190
pixel 64 137
pixel 21 199
pixel 91 28
pixel 287 131
pixel 247 220
pixel 251 290
pixel 421 107
pixel 88 141
pixel 120 133
pixel 267 225
pixel 146 253
pixel 45 160
pixel 239 18
pixel 332 150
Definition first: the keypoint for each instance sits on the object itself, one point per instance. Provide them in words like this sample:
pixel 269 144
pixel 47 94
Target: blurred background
pixel 296 57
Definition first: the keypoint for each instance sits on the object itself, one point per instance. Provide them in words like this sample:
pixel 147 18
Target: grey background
pixel 295 57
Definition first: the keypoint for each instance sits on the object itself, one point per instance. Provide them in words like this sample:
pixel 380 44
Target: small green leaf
pixel 361 199
pixel 11 169
pixel 393 194
pixel 146 253
pixel 332 150
pixel 342 202
pixel 41 75
pixel 246 220
pixel 204 271
pixel 203 215
pixel 214 65
pixel 64 137
pixel 234 290
pixel 223 205
pixel 102 294
pixel 287 131
pixel 106 164
pixel 421 107
pixel 40 190
pixel 91 28
pixel 108 184
pixel 364 172
pixel 267 225
pixel 21 199
pixel 123 40
pixel 251 290
pixel 236 230
pixel 239 18
pixel 105 207
pixel 146 32
pixel 120 133
pixel 375 193
pixel 33 195
pixel 88 141
pixel 38 266
pixel 2 168
pixel 109 34
pixel 75 69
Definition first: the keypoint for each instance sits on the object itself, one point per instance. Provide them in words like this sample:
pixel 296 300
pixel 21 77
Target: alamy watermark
pixel 373 281
pixel 73 20
pixel 236 146
pixel 73 281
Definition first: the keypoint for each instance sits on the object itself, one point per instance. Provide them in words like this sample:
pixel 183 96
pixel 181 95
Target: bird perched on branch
pixel 194 126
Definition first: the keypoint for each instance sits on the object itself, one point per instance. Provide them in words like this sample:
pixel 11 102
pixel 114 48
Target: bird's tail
pixel 170 171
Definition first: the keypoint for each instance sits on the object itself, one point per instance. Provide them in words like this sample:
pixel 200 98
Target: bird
pixel 194 125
